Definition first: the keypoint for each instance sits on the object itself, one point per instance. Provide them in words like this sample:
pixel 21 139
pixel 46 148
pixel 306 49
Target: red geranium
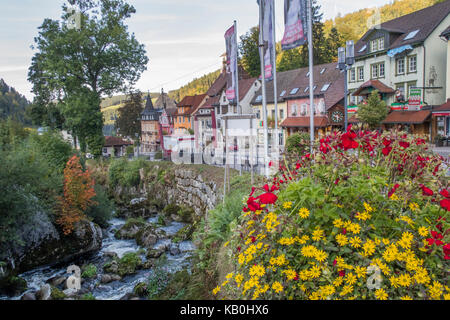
pixel 445 204
pixel 426 191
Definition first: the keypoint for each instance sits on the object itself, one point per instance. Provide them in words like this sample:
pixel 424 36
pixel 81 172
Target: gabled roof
pixel 245 86
pixel 413 117
pixel 164 102
pixel 193 102
pixel 292 122
pixel 425 21
pixel 376 84
pixel 150 113
pixel 218 85
pixel 294 83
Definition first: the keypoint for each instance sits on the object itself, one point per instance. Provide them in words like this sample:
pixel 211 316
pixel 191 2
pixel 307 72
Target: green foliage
pixel 128 122
pixel 89 271
pixel 249 52
pixel 12 285
pixel 57 294
pixel 196 86
pixel 298 143
pixel 13 105
pixel 125 173
pixel 129 263
pixel 73 67
pixel 103 211
pixel 11 133
pixel 87 296
pixel 374 111
pixel 158 281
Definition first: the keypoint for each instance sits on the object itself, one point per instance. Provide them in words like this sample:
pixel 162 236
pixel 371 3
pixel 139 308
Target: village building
pixel 150 129
pixel 115 147
pixel 405 60
pixel 183 117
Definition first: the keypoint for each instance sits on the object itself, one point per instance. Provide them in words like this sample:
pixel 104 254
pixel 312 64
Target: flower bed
pixel 364 217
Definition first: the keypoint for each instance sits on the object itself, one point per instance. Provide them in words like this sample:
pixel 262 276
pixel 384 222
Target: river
pixel 176 261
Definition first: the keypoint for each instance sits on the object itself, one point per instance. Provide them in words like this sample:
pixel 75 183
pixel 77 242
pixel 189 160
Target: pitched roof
pixel 425 21
pixel 150 113
pixel 413 117
pixel 193 102
pixel 245 86
pixel 444 107
pixel 304 122
pixel 116 141
pixel 218 85
pixel 294 83
pixel 378 85
pixel 164 102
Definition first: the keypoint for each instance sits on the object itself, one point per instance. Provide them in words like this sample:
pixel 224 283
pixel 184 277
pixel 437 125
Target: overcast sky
pixel 183 39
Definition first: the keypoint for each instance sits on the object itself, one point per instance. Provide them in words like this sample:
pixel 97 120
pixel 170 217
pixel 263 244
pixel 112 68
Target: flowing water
pixel 176 261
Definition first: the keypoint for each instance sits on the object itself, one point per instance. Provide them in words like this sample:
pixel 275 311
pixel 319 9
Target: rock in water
pixel 28 296
pixel 44 292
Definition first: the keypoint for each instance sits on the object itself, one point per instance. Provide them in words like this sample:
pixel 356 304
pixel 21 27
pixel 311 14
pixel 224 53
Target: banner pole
pixel 275 91
pixel 263 82
pixel 238 107
pixel 311 75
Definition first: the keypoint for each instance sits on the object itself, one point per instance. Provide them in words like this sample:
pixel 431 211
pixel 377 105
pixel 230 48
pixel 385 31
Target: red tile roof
pixel 116 141
pixel 218 85
pixel 304 122
pixel 378 85
pixel 193 102
pixel 412 117
pixel 444 107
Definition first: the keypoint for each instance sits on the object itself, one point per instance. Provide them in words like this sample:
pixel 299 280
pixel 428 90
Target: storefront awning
pixel 407 117
pixel 393 52
pixel 303 122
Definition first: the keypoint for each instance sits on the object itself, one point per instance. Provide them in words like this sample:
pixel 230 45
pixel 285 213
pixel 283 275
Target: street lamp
pixel 346 58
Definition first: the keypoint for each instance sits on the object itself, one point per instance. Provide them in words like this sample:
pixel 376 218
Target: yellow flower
pixel 230 275
pixel 350 278
pixel 320 255
pixel 341 239
pixel 363 216
pixel 355 242
pixel 385 241
pixel 424 231
pixel 216 290
pixel 390 254
pixel 369 248
pixel 226 244
pixel 241 258
pixel 257 271
pixel 287 205
pixel 394 197
pixel 354 228
pixel 406 240
pixel 338 281
pixel 435 290
pixel 308 251
pixel 406 298
pixel 314 272
pixel 303 239
pixel 338 223
pixel 238 278
pixel 407 219
pixel 413 206
pixel 368 207
pixel 360 272
pixel 286 241
pixel 303 213
pixel 346 290
pixel 277 287
pixel 422 276
pixel 317 234
pixel 380 294
pixel 290 274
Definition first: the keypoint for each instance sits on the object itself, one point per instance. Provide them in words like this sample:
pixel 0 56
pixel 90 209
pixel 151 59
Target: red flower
pixel 268 198
pixel 336 181
pixel 392 191
pixel 444 193
pixel 426 191
pixel 342 273
pixel 386 150
pixel 334 262
pixel 404 144
pixel 253 239
pixel 446 249
pixel 445 204
pixel 344 231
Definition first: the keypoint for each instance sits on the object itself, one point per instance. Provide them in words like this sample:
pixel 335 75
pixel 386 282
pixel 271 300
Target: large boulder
pixel 41 243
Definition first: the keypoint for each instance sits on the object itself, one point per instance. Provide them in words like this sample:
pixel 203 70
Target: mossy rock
pixel 186 214
pixel 129 263
pixel 171 209
pixel 130 228
pixel 57 294
pixel 89 271
pixel 184 234
pixel 140 289
pixel 13 285
pixel 87 296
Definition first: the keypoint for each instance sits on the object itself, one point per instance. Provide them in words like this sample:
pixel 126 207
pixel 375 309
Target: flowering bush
pixel 364 217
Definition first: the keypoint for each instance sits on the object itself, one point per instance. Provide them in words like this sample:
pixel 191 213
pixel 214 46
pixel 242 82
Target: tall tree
pixel 333 42
pixel 98 57
pixel 128 122
pixel 249 52
pixel 373 111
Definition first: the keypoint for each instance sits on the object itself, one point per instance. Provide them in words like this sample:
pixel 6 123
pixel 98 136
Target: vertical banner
pixel 267 37
pixel 230 41
pixel 295 24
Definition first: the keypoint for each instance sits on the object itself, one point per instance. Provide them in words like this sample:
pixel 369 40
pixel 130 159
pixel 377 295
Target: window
pixel 283 93
pixel 314 88
pixel 273 114
pixel 258 114
pixel 360 73
pixel 412 64
pixel 294 91
pixel 400 65
pixel 306 89
pixel 411 35
pixel 281 113
pixel 352 75
pixel 258 99
pixel 307 75
pixel 363 48
pixel 325 87
pixel 322 71
pixel 381 70
pixel 377 44
pixel 374 71
pixel 381 43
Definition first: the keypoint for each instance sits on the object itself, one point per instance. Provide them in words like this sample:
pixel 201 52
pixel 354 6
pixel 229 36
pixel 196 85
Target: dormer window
pixel 283 93
pixel 294 91
pixel 363 48
pixel 377 44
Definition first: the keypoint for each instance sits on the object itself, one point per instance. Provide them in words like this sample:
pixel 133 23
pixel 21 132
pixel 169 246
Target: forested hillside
pixel 352 26
pixel 196 86
pixel 12 104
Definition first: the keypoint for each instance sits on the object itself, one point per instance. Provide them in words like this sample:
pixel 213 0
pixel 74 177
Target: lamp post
pixel 346 58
